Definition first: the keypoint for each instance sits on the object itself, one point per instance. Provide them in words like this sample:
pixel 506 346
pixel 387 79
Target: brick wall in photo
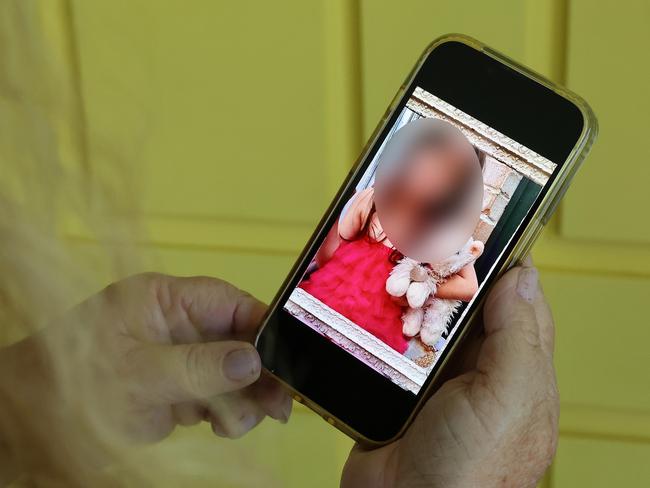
pixel 500 182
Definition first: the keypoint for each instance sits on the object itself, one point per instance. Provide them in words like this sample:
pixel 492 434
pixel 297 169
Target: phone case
pixel 537 222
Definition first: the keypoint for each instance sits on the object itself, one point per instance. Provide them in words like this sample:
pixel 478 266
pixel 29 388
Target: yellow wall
pixel 246 115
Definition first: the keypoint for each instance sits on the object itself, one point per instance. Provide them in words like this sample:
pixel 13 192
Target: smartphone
pixel 462 172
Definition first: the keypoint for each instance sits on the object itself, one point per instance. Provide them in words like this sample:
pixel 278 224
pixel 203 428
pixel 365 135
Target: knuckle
pixel 531 337
pixel 148 277
pixel 527 330
pixel 111 293
pixel 194 375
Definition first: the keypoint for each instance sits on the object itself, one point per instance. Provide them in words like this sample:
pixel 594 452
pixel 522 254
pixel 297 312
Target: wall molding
pixel 588 421
pixel 235 234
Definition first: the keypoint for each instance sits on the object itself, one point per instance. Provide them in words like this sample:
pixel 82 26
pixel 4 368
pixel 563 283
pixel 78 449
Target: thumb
pixel 518 326
pixel 184 372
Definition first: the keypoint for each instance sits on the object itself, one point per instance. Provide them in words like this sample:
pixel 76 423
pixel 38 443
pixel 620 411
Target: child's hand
pixel 495 425
pixel 460 286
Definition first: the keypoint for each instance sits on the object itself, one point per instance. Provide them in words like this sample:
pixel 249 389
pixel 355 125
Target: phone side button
pixel 298 398
pixel 329 420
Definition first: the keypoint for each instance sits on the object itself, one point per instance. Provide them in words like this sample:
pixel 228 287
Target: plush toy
pixel 427 315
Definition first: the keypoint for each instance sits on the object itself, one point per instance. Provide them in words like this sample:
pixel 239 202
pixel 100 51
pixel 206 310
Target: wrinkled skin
pixel 172 339
pixel 495 424
pixel 157 354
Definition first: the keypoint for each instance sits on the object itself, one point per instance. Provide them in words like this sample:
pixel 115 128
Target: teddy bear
pixel 427 315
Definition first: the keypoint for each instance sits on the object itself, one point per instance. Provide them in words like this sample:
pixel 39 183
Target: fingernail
pixel 218 430
pixel 241 364
pixel 528 284
pixel 247 422
pixel 286 410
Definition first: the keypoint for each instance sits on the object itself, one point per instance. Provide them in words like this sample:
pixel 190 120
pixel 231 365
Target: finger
pixel 272 398
pixel 233 415
pixel 517 300
pixel 545 320
pixel 518 331
pixel 188 413
pixel 547 325
pixel 178 373
pixel 216 308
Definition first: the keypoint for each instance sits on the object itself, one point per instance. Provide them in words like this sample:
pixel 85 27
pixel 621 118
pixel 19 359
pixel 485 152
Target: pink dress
pixel 353 282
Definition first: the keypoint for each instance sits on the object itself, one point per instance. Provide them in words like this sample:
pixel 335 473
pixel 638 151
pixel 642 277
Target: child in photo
pixel 357 256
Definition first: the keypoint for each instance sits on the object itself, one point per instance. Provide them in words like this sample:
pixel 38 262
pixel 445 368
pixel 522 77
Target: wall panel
pixel 601 464
pixel 606 63
pixel 394 36
pixel 599 344
pixel 222 107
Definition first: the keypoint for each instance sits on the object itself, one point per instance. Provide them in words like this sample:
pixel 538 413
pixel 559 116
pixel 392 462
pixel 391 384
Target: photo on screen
pixel 432 214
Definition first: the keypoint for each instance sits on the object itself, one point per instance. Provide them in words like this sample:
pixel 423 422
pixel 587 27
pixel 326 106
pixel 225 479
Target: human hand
pixel 494 425
pixel 150 352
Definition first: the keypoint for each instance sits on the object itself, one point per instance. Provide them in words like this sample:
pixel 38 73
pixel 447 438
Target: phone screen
pixel 428 220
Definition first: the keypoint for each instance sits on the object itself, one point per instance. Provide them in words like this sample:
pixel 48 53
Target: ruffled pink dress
pixel 353 282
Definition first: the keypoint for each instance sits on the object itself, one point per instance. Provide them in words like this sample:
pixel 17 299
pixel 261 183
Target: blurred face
pixel 431 174
pixel 429 201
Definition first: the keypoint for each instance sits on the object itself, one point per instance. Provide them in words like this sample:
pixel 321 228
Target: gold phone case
pixel 537 222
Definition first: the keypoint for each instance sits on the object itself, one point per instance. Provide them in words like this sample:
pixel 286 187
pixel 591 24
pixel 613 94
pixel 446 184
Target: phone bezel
pixel 361 402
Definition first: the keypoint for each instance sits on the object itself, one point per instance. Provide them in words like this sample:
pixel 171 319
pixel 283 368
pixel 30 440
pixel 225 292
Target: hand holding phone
pixel 479 426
